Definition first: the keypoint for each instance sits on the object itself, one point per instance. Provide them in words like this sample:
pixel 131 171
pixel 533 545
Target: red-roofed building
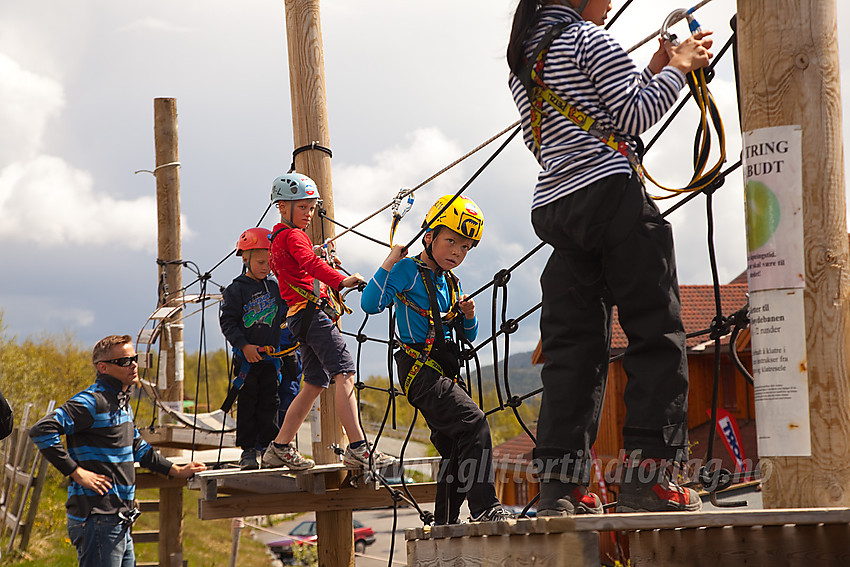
pixel 735 394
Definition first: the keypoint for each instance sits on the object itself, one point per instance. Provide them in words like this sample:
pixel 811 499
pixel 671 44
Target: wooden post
pixel 789 76
pixel 169 256
pixel 310 124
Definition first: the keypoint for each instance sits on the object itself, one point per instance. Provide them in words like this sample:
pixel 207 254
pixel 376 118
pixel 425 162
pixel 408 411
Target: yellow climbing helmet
pixel 462 216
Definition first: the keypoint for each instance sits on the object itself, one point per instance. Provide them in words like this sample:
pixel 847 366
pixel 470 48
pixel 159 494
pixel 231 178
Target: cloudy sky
pixel 411 87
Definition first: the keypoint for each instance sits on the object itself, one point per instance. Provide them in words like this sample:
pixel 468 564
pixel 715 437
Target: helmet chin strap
pixel 430 253
pixel 290 223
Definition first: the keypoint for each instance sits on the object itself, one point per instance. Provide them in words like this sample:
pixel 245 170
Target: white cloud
pixel 45 200
pixel 360 190
pixel 27 102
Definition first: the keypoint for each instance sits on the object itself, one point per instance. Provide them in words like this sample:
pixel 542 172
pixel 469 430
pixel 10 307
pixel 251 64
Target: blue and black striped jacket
pixel 102 438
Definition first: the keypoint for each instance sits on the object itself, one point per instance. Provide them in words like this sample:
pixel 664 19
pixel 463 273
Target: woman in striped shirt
pixel 583 103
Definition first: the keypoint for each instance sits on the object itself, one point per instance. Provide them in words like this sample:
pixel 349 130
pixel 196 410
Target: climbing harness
pixel 435 335
pixel 531 77
pixel 331 305
pixel 240 375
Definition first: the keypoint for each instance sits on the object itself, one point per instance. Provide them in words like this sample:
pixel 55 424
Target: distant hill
pixel 522 375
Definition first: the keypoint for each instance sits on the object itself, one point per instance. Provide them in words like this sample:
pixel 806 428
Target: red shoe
pixel 577 499
pixel 649 487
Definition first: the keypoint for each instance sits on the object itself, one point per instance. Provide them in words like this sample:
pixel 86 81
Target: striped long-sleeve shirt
pixel 588 69
pixel 102 438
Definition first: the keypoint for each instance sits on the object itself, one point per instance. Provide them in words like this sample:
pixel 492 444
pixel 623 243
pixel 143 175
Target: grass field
pixel 205 543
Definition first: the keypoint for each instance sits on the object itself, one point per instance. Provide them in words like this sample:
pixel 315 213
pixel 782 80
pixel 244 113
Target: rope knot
pixel 513 402
pixel 510 326
pixel 502 278
pixel 719 327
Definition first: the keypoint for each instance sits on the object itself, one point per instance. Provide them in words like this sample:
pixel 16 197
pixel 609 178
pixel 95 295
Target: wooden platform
pixel 816 537
pixel 229 493
pixel 181 437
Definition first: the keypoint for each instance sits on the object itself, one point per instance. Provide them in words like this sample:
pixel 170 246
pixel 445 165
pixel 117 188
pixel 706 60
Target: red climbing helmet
pixel 253 239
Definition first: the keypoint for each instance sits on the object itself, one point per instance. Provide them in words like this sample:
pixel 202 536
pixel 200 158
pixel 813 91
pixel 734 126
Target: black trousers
pixel 461 434
pixel 612 247
pixel 257 407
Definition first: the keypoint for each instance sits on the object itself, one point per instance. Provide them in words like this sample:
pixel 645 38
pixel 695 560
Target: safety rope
pixel 501 325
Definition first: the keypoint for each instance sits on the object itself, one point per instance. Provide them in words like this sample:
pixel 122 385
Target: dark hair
pixel 524 19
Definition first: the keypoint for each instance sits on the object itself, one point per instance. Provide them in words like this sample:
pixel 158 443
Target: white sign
pixel 773 188
pixel 778 340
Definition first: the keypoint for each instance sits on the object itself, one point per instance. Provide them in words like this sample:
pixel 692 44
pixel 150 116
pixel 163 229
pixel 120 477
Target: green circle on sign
pixel 763 212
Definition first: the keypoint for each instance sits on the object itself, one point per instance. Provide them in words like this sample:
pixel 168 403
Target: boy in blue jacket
pixel 429 302
pixel 251 315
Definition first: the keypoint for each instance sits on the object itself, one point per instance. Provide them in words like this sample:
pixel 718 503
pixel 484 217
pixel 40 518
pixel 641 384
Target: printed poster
pixel 778 341
pixel 773 190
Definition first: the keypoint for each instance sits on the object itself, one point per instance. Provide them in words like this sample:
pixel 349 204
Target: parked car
pixel 305 534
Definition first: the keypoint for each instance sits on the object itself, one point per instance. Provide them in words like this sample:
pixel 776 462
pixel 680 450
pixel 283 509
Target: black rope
pixel 465 185
pixel 311 146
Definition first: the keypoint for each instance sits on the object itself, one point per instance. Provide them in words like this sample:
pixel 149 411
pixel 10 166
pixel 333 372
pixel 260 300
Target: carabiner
pixel 674 17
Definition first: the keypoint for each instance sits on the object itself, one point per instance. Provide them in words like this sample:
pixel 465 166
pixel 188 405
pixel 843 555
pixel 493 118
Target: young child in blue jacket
pixel 251 315
pixel 429 301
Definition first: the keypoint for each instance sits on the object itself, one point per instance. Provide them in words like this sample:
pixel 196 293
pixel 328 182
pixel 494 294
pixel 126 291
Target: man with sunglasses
pixel 103 445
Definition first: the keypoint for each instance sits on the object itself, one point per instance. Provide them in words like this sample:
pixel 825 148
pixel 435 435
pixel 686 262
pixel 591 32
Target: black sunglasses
pixel 124 361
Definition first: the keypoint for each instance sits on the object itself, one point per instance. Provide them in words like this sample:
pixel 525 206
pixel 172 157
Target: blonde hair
pixel 106 344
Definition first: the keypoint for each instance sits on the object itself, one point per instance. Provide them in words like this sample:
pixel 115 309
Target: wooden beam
pixel 310 124
pixel 181 437
pixel 768 546
pixel 169 245
pixel 789 75
pixel 342 499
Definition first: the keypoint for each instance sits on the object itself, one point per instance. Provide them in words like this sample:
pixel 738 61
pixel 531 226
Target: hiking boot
pixel 286 456
pixel 569 499
pixel 359 457
pixel 649 487
pixel 248 460
pixel 494 514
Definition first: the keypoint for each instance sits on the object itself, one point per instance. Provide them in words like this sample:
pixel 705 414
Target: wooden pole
pixel 789 76
pixel 168 225
pixel 310 124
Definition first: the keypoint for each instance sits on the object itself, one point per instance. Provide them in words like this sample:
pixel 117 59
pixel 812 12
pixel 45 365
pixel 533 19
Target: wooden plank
pixel 148 536
pixel 262 481
pixel 802 545
pixel 147 479
pixel 676 520
pixel 566 549
pixel 181 437
pixel 149 506
pixel 345 498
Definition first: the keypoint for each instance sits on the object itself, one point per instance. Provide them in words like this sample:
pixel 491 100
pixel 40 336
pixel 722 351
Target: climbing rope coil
pixel 705 180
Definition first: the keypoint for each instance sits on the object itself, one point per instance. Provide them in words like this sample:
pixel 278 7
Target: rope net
pixel 500 397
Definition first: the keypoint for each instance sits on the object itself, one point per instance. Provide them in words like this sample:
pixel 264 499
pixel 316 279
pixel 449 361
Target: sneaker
pixel 359 457
pixel 248 460
pixel 576 499
pixel 648 487
pixel 287 456
pixel 494 514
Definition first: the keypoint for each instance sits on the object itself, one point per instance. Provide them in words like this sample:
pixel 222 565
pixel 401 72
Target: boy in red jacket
pixel 304 280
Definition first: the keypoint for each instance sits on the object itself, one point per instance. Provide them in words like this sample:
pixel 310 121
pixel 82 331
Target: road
pixel 381 521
